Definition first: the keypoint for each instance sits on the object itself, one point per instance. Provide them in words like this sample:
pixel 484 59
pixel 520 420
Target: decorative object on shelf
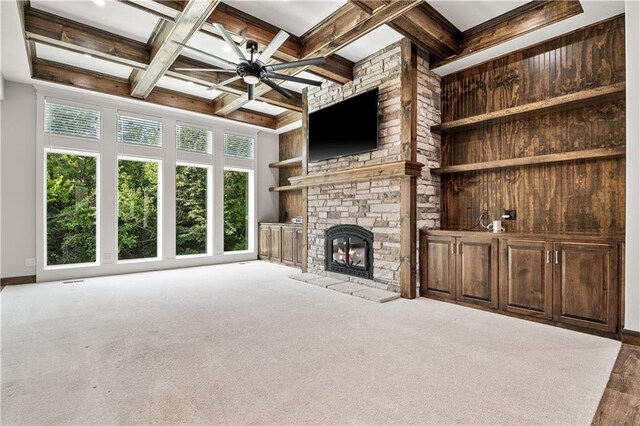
pixel 496 226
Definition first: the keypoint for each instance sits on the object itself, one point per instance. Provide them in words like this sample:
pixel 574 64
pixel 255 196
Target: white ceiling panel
pixel 467 14
pixel 187 87
pixel 377 39
pixel 294 16
pixel 264 107
pixel 113 16
pixel 212 45
pixel 82 61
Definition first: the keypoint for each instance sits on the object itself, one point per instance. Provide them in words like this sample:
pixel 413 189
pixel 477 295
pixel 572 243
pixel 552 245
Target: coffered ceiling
pixel 115 46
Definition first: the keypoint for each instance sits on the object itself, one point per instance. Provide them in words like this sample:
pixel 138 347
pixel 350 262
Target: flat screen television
pixel 346 128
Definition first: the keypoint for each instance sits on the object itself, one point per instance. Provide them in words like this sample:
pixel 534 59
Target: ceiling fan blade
pixel 250 92
pixel 284 92
pixel 223 83
pixel 302 63
pixel 294 79
pixel 212 56
pixel 205 69
pixel 275 44
pixel 232 44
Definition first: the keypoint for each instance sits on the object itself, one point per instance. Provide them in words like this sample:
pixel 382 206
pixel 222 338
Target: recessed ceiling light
pixel 226 48
pixel 99 2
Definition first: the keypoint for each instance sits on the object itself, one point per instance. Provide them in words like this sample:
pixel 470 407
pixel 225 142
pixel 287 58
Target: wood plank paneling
pixel 577 196
pixel 620 404
pixel 290 201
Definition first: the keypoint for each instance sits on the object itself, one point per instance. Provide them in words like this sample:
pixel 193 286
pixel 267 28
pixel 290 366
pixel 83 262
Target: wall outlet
pixel 30 262
pixel 511 214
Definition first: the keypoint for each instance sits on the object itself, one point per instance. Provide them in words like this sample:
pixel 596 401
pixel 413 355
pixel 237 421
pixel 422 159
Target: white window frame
pixel 159 221
pixel 210 206
pixel 64 151
pixel 55 137
pixel 124 145
pixel 251 213
pixel 199 127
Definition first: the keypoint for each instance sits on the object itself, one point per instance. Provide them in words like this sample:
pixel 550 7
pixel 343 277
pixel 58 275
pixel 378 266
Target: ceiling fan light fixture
pixel 251 79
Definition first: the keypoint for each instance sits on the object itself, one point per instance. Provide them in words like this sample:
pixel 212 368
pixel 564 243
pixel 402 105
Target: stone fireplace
pixel 349 251
pixel 386 206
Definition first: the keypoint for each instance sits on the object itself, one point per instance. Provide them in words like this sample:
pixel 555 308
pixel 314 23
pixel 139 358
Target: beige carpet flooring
pixel 244 344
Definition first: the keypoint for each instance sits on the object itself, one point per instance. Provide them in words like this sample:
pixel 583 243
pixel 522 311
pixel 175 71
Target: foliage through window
pixel 191 210
pixel 238 146
pixel 137 209
pixel 139 131
pixel 193 139
pixel 71 209
pixel 67 120
pixel 236 210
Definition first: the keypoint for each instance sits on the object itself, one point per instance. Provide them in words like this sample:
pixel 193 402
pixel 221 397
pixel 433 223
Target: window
pixel 191 209
pixel 137 209
pixel 140 131
pixel 194 139
pixel 71 208
pixel 238 146
pixel 236 210
pixel 67 120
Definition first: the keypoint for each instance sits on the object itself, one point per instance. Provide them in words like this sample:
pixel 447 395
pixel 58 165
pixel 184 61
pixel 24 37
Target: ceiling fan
pixel 255 69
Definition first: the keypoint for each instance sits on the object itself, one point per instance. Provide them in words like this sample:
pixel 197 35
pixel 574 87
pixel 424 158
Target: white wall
pixel 19 177
pixel 632 284
pixel 18 145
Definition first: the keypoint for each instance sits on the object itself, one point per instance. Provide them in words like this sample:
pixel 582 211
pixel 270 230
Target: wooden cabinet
pixel 571 280
pixel 477 270
pixel 462 268
pixel 526 278
pixel 281 242
pixel 586 285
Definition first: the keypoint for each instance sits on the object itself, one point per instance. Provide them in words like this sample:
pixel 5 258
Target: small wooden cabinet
pixel 281 243
pixel 462 268
pixel 561 279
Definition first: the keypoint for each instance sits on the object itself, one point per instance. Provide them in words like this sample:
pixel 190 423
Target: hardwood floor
pixel 620 403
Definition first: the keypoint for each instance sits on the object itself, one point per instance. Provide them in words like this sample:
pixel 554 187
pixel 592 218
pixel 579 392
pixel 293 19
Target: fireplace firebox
pixel 349 250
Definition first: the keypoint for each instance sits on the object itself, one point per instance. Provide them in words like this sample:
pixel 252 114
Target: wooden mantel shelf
pixel 587 154
pixel 557 103
pixel 359 174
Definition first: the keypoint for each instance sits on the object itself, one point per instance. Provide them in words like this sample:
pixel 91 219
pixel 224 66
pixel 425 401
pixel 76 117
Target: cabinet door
pixel 526 278
pixel 264 241
pixel 477 270
pixel 298 244
pixel 288 244
pixel 586 285
pixel 276 244
pixel 438 267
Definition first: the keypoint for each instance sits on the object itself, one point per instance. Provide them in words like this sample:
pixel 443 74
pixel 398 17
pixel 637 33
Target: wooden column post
pixel 305 190
pixel 408 185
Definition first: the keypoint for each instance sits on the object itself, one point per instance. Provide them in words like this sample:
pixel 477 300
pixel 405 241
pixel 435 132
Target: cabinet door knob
pixel 548 256
pixel 557 257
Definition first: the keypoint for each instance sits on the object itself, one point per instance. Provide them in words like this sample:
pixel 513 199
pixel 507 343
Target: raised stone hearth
pixel 353 289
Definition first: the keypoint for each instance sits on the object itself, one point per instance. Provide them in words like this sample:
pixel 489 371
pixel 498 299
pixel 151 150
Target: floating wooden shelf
pixel 290 162
pixel 538 159
pixel 359 174
pixel 285 188
pixel 557 103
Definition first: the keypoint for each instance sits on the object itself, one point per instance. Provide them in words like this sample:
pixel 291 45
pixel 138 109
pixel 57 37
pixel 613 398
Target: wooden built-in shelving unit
pixel 589 154
pixel 572 100
pixel 285 188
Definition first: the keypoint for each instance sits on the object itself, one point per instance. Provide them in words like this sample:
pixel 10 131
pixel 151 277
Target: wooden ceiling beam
pixel 49 29
pixel 102 83
pixel 165 48
pixel 348 24
pixel 337 69
pixel 423 25
pixel 529 17
pixel 287 118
